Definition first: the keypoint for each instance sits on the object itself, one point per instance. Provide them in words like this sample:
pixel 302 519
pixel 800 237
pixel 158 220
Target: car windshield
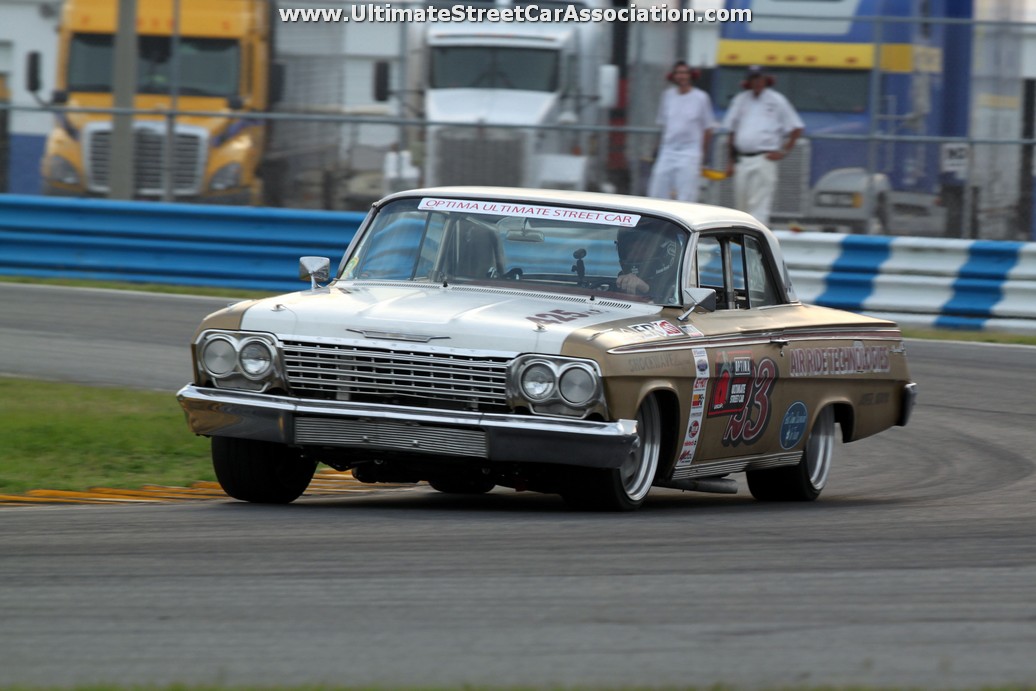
pixel 522 245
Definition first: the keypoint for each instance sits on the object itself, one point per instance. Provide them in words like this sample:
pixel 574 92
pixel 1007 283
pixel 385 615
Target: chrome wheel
pixel 638 472
pixel 806 479
pixel 623 488
pixel 820 449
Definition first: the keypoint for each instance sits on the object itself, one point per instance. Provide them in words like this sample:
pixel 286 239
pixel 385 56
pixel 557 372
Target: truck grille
pixel 149 161
pixel 480 156
pixel 347 372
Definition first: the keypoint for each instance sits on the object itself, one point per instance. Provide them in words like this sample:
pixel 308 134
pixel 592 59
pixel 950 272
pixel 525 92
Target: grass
pixel 67 436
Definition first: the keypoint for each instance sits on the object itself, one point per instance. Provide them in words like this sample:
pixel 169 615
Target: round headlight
pixel 256 358
pixel 538 381
pixel 218 356
pixel 577 385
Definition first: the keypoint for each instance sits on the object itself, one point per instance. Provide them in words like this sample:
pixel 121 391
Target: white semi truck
pixel 502 103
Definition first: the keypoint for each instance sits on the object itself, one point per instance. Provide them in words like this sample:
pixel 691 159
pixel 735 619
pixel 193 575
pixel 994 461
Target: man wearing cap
pixel 764 127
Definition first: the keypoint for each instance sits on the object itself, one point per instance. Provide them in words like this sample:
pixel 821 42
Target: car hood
pixel 456 317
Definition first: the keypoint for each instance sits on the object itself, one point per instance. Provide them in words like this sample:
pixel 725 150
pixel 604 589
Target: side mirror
pixel 314 270
pixel 608 85
pixel 382 75
pixel 32 71
pixel 699 297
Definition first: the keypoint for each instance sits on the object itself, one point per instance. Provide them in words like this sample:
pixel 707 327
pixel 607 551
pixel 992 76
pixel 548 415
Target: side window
pixel 734 265
pixel 761 288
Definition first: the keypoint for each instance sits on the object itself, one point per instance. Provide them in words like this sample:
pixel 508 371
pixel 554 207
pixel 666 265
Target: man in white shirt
pixel 685 115
pixel 764 127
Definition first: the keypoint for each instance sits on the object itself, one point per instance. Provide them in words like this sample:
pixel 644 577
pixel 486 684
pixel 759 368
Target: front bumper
pixel 418 432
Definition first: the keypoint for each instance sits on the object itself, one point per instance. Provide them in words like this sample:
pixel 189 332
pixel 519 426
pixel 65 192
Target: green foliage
pixel 65 436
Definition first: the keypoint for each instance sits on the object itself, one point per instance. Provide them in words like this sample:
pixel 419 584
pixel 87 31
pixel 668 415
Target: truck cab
pixel 496 97
pixel 218 62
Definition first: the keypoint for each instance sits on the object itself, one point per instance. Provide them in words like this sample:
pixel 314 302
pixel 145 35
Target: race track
pixel 916 568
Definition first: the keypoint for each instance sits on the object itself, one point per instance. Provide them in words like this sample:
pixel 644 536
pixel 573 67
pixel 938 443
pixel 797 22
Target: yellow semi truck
pixel 223 64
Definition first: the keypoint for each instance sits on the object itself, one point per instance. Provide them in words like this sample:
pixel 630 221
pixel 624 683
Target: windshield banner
pixel 552 213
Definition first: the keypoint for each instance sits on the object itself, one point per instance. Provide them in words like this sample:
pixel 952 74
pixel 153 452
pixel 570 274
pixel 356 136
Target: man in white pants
pixel 764 127
pixel 685 115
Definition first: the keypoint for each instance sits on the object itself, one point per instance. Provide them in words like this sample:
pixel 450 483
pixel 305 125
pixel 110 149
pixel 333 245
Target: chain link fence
pixel 880 153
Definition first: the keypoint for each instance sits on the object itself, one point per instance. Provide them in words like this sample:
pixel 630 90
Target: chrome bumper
pixel 909 399
pixel 419 431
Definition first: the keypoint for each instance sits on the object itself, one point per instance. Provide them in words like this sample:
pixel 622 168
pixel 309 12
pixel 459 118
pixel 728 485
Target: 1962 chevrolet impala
pixel 582 344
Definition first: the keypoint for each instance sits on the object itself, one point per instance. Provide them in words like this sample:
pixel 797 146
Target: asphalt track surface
pixel 917 567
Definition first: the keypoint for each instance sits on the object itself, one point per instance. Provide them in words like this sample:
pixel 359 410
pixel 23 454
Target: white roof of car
pixel 697 216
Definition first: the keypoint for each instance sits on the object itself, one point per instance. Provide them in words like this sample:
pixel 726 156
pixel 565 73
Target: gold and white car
pixel 583 344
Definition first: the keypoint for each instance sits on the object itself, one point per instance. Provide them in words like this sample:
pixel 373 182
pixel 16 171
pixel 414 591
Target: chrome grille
pixel 149 161
pixel 480 156
pixel 385 434
pixel 346 372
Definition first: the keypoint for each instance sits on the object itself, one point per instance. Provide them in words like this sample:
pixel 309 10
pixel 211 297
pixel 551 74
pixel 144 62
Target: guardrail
pixel 152 242
pixel 921 282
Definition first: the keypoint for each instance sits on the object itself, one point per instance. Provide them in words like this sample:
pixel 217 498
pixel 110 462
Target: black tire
pixel 624 488
pixel 805 480
pixel 462 485
pixel 260 472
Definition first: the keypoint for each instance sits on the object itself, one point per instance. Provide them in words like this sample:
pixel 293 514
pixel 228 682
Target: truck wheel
pixel 805 480
pixel 626 487
pixel 260 472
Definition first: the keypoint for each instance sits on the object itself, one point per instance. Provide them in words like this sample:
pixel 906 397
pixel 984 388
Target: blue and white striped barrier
pixel 920 282
pixel 177 244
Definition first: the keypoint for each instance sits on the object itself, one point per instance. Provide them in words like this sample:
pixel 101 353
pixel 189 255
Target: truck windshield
pixel 485 67
pixel 207 66
pixel 816 90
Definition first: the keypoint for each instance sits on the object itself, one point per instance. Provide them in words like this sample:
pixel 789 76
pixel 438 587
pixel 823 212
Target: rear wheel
pixel 805 480
pixel 623 488
pixel 260 472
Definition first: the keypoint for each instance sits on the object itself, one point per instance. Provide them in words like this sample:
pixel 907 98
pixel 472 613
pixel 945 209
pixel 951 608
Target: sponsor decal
pixel 659 329
pixel 692 331
pixel 874 398
pixel 793 427
pixel 748 423
pixel 733 378
pixel 822 362
pixel 701 359
pixel 560 316
pixel 655 361
pixel 553 213
pixel 701 383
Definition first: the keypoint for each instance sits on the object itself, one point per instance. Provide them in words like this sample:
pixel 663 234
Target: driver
pixel 650 259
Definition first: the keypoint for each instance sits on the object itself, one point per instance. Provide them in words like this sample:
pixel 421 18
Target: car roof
pixel 697 216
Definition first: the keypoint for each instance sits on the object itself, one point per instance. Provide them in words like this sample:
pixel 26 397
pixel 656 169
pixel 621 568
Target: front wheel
pixel 624 488
pixel 806 479
pixel 260 472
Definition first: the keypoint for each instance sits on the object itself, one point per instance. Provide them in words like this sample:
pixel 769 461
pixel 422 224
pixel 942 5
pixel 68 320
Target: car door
pixel 743 343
